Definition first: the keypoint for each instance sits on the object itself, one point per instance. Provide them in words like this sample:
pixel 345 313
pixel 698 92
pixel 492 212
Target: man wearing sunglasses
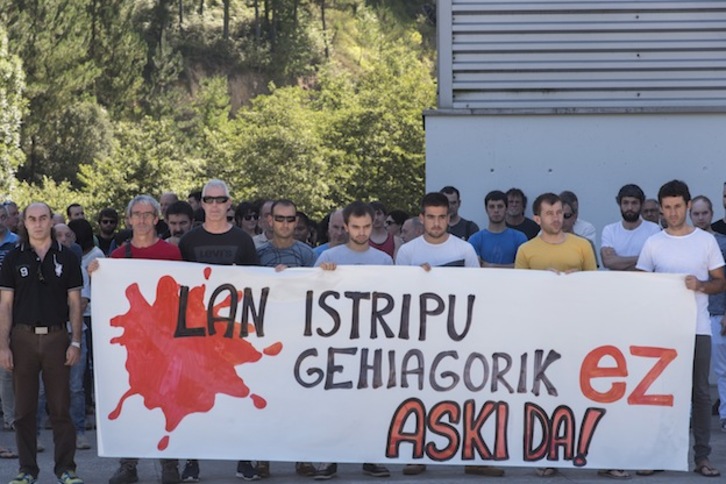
pixel 40 290
pixel 107 227
pixel 283 250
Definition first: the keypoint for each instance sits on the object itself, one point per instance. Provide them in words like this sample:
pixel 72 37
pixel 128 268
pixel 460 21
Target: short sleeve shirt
pixel 40 288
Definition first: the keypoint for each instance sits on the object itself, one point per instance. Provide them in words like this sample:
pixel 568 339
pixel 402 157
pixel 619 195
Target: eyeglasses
pixel 390 222
pixel 108 222
pixel 143 215
pixel 568 216
pixel 230 218
pixel 283 218
pixel 251 216
pixel 221 199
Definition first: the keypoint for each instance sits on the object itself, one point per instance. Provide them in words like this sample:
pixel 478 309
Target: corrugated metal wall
pixel 618 54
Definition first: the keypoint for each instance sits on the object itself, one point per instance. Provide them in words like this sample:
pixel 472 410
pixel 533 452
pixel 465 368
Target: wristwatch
pixel 76 344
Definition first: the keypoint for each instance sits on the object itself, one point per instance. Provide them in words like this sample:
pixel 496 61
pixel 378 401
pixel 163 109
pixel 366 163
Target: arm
pixel 615 262
pixel 76 318
pixel 6 320
pixel 716 284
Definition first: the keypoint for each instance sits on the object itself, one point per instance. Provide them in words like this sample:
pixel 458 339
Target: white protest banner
pixel 393 364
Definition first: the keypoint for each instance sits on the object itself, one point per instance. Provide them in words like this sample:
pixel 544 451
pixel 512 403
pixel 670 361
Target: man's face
pixel 77 213
pixel 359 229
pixel 674 211
pixel 265 216
pixel 454 204
pixel 38 221
pixel 408 231
pixel 568 218
pixel 107 225
pixel 630 209
pixel 496 211
pixel 284 219
pixel 515 207
pixel 550 218
pixel 336 229
pixel 301 231
pixel 12 221
pixel 3 220
pixel 435 222
pixel 379 220
pixel 142 219
pixel 64 235
pixel 194 203
pixel 651 211
pixel 215 203
pixel 179 224
pixel 701 215
pixel 166 200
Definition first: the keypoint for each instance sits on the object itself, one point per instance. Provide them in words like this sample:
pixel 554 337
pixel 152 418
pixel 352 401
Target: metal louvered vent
pixel 615 55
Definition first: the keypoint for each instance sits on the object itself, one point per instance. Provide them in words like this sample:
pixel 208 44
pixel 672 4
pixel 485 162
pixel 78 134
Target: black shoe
pixel 246 471
pixel 191 471
pixel 305 469
pixel 375 470
pixel 124 475
pixel 326 472
pixel 263 468
pixel 170 474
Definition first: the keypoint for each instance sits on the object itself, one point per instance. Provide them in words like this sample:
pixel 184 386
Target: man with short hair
pixel 195 200
pixel 283 250
pixel 684 249
pixel 13 219
pixel 621 242
pixel 336 233
pixel 264 222
pixel 107 228
pixel 651 211
pixel 75 211
pixel 358 222
pixel 497 244
pixel 218 241
pixel 515 219
pixel 580 227
pixel 302 228
pixel 554 249
pixel 66 237
pixel 40 290
pixel 720 224
pixel 411 229
pixel 458 226
pixel 381 239
pixel 179 217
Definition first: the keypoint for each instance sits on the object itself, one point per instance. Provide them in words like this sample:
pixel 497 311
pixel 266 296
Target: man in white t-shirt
pixel 684 249
pixel 621 242
pixel 437 247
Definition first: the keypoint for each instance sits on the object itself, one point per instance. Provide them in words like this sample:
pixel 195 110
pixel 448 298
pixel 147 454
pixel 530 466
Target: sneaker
pixel 246 471
pixel 170 474
pixel 23 478
pixel 69 477
pixel 191 471
pixel 82 442
pixel 124 475
pixel 375 470
pixel 263 468
pixel 305 469
pixel 489 471
pixel 414 469
pixel 326 472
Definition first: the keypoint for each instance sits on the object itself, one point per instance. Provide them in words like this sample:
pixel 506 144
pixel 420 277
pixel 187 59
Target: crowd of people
pixel 47 261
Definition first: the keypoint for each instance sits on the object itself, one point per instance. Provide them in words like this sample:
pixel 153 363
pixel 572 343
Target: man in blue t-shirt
pixel 497 244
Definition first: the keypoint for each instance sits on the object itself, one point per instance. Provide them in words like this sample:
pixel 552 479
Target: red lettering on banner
pixel 665 356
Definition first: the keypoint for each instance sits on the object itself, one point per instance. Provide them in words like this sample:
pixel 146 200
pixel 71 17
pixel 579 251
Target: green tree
pixel 12 105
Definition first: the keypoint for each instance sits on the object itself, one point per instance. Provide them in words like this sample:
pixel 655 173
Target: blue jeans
pixel 78 392
pixel 718 362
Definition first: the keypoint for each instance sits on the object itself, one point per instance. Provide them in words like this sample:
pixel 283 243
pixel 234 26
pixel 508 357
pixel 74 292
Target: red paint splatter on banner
pixel 180 376
pixel 207 272
pixel 273 350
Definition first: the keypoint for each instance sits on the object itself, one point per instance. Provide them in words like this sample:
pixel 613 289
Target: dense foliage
pixel 317 101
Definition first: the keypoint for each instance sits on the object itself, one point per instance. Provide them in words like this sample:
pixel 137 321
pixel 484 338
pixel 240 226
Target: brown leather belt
pixel 30 328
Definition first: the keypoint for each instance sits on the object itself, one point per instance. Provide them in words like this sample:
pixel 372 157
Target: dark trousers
pixel 701 398
pixel 33 354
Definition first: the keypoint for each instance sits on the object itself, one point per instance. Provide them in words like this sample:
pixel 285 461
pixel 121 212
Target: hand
pixel 93 266
pixel 6 359
pixel 73 355
pixel 328 266
pixel 280 267
pixel 426 266
pixel 693 283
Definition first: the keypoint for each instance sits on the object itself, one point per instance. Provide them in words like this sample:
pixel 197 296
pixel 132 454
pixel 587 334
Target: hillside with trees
pixel 318 101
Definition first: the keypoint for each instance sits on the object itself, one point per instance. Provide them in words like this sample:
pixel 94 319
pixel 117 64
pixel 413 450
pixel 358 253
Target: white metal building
pixel 580 95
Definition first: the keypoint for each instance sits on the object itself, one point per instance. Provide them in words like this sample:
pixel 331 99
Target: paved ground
pixel 96 470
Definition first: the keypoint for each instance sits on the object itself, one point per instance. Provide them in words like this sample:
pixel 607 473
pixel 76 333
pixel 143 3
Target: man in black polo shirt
pixel 40 290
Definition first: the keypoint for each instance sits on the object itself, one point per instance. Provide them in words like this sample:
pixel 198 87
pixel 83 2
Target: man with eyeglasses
pixel 107 228
pixel 218 241
pixel 40 290
pixel 283 250
pixel 621 242
pixel 579 227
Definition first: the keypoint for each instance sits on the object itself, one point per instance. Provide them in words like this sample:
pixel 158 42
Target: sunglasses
pixel 108 222
pixel 283 218
pixel 230 218
pixel 251 216
pixel 390 222
pixel 568 216
pixel 221 199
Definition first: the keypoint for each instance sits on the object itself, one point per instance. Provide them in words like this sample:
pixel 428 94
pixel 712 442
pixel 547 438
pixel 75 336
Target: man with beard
pixel 179 218
pixel 554 249
pixel 621 242
pixel 107 229
pixel 497 244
